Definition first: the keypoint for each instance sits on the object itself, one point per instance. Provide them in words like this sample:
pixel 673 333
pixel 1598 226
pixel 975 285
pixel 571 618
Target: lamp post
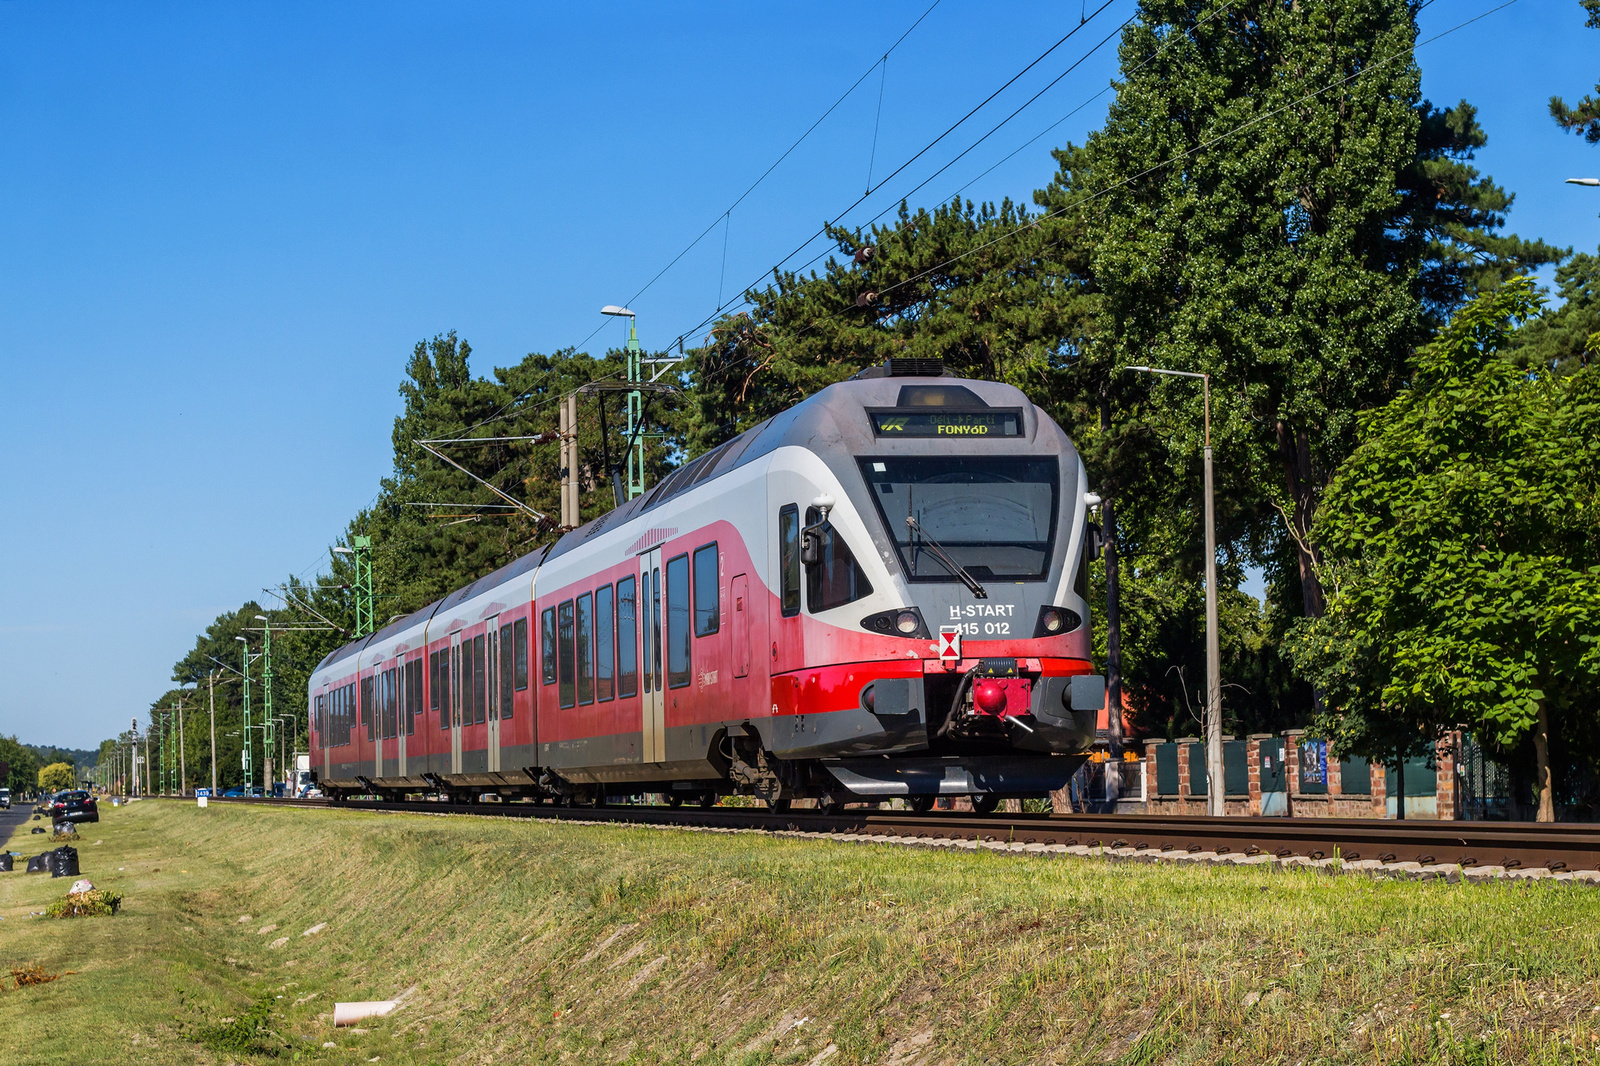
pixel 635 400
pixel 1583 181
pixel 360 552
pixel 183 755
pixel 1214 773
pixel 211 693
pixel 267 739
pixel 249 772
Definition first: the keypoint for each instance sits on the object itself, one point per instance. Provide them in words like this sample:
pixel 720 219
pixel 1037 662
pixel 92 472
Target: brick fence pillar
pixel 1444 782
pixel 1252 768
pixel 1291 760
pixel 1380 790
pixel 1184 779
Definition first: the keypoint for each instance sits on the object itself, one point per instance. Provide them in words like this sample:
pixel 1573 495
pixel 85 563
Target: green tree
pixel 1463 547
pixel 19 769
pixel 1584 119
pixel 56 776
pixel 1567 337
pixel 1274 204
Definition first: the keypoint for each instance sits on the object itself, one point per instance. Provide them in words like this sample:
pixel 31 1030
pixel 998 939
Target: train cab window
pixel 566 690
pixel 707 616
pixel 480 682
pixel 547 645
pixel 508 647
pixel 604 638
pixel 520 659
pixel 677 635
pixel 585 659
pixel 789 558
pixel 368 710
pixel 835 579
pixel 627 638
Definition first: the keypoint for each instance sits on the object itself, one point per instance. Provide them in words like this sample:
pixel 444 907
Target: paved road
pixel 10 819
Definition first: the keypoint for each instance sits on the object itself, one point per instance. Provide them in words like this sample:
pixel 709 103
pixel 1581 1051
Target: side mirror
pixel 811 544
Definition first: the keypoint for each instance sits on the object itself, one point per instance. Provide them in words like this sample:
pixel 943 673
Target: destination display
pixel 996 422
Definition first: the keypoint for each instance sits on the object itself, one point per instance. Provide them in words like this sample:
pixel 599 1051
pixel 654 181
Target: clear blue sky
pixel 224 225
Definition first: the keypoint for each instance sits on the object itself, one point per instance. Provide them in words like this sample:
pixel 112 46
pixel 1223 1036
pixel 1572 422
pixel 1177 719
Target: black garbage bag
pixel 5 862
pixel 64 862
pixel 37 829
pixel 38 864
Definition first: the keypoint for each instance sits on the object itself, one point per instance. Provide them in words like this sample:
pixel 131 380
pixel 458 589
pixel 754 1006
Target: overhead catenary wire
pixel 856 203
pixel 774 166
pixel 1179 157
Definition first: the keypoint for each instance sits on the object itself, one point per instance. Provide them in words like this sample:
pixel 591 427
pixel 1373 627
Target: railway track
pixel 1399 846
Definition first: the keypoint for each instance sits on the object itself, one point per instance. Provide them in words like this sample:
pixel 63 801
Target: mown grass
pixel 548 943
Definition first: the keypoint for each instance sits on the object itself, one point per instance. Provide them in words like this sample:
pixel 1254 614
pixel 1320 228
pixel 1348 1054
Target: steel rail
pixel 1512 845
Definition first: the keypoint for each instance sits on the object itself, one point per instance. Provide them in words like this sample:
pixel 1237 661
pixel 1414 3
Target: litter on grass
pixel 90 903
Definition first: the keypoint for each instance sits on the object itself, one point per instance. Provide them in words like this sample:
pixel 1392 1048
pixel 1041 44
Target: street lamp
pixel 266 699
pixel 249 770
pixel 1214 772
pixel 1583 181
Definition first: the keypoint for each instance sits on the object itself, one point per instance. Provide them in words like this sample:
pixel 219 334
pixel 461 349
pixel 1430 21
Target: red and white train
pixel 878 593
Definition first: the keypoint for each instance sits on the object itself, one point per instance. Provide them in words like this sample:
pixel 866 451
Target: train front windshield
pixel 994 516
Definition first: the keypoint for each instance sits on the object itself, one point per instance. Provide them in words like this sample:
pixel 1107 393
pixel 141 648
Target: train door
pixel 325 732
pixel 491 643
pixel 456 700
pixel 402 695
pixel 653 701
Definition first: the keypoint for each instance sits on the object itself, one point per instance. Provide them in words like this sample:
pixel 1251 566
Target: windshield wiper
pixel 944 557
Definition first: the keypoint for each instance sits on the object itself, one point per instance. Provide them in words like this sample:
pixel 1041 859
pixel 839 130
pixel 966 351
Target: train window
pixel 441 687
pixel 547 645
pixel 994 515
pixel 433 681
pixel 480 681
pixel 413 695
pixel 508 647
pixel 520 662
pixel 368 710
pixel 707 616
pixel 567 694
pixel 389 704
pixel 604 637
pixel 678 622
pixel 789 558
pixel 627 639
pixel 585 660
pixel 835 579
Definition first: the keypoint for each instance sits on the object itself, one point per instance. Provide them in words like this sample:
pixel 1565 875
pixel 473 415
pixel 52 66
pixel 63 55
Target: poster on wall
pixel 1313 763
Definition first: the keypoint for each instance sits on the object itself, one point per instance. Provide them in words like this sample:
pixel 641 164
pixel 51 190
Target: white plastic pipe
pixel 350 1013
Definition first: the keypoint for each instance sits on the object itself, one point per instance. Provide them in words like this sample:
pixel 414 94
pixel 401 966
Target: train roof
pixel 833 407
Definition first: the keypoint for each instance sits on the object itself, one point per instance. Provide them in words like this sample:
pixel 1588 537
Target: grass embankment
pixel 545 943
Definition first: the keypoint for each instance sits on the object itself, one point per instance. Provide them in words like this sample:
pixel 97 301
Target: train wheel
pixel 921 804
pixel 777 803
pixel 985 803
pixel 708 800
pixel 674 800
pixel 831 803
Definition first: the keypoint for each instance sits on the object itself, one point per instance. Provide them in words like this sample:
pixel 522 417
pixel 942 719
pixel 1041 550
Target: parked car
pixel 234 793
pixel 74 805
pixel 5 798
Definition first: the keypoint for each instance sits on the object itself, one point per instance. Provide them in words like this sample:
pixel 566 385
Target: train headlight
pixel 903 622
pixel 1056 621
